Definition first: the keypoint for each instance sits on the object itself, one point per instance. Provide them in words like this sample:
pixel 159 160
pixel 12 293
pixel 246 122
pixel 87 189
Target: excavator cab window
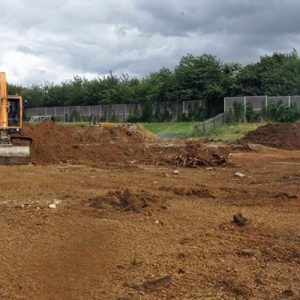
pixel 14 113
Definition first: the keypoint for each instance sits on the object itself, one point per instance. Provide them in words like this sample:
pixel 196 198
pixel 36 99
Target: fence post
pixel 245 109
pixel 266 101
pixel 289 101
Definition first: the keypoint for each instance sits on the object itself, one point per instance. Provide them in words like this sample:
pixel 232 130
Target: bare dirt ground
pixel 94 245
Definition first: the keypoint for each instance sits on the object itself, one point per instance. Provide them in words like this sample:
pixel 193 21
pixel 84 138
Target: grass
pixel 232 132
pixel 226 132
pixel 172 130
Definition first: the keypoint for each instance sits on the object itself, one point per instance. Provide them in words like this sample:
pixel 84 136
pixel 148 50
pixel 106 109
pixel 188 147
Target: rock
pixel 53 206
pixel 239 175
pixel 246 253
pixel 176 172
pixel 239 219
pixel 209 169
pixel 56 201
pixel 134 284
pixel 137 262
pixel 151 285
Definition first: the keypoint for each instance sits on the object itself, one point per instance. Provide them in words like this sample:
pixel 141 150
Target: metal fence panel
pixel 295 100
pixel 277 99
pixel 229 101
pixel 257 102
pixel 115 112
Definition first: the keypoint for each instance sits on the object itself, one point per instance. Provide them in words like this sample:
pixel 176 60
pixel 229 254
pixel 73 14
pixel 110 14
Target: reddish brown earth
pixel 117 227
pixel 121 144
pixel 282 136
pixel 83 144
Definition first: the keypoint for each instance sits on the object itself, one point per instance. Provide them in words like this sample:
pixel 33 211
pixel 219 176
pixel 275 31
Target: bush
pixel 198 114
pixel 251 116
pixel 230 116
pixel 281 112
pixel 135 118
pixel 74 116
pixel 238 111
pixel 146 113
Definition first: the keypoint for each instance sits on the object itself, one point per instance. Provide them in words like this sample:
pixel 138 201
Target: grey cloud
pixel 54 40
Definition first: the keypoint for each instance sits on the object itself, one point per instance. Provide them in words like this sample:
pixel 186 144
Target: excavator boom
pixel 11 122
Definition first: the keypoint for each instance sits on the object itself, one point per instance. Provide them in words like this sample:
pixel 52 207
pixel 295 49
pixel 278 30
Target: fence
pixel 209 125
pixel 108 113
pixel 258 102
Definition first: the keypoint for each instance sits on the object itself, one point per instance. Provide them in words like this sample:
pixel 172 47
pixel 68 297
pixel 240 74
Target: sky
pixel 54 40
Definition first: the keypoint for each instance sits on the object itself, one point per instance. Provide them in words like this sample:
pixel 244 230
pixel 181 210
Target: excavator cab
pixel 10 128
pixel 14 112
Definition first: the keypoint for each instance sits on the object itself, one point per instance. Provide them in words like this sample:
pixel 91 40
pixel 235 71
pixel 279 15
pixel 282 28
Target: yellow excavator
pixel 11 113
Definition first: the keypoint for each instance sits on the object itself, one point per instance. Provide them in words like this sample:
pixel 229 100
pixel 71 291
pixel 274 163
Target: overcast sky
pixel 43 40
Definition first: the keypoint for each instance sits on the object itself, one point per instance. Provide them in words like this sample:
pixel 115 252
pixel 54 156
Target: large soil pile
pixel 121 144
pixel 283 136
pixel 84 144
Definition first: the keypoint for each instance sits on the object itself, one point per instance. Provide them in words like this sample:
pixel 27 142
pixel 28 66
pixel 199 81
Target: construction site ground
pixel 64 236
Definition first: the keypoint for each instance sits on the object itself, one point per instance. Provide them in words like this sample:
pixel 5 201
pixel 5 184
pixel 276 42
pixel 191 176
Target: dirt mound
pixel 127 201
pixel 195 154
pixel 84 144
pixel 282 136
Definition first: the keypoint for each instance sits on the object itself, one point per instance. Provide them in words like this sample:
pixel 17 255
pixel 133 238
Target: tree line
pixel 206 78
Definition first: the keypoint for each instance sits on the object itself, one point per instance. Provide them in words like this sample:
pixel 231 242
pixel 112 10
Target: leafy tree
pixel 201 78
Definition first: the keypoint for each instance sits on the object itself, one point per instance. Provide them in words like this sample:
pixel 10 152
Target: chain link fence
pixel 109 113
pixel 259 102
pixel 209 125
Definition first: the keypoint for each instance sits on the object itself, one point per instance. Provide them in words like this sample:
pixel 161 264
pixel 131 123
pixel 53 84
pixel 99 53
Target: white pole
pixel 245 108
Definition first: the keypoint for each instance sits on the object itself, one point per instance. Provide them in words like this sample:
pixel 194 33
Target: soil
pixel 84 144
pixel 126 144
pixel 139 231
pixel 282 136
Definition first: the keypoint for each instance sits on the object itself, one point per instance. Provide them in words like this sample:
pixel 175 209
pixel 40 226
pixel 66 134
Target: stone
pixel 134 284
pixel 239 219
pixel 53 206
pixel 246 252
pixel 151 285
pixel 239 175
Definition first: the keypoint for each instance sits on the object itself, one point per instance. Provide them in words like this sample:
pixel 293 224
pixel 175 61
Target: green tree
pixel 201 78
